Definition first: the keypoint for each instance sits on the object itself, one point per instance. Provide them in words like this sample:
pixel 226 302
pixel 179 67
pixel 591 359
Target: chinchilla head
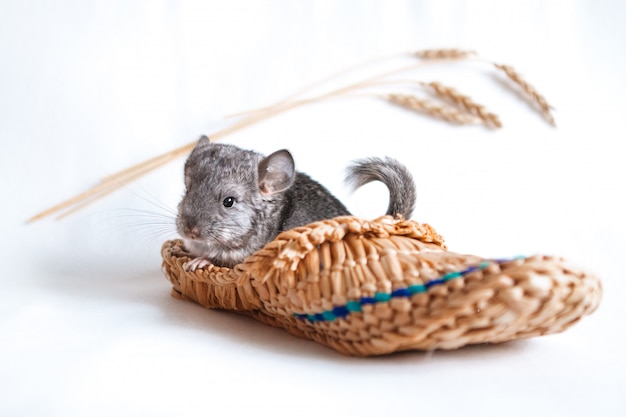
pixel 232 198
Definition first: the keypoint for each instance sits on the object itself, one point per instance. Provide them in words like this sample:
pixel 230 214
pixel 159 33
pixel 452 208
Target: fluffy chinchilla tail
pixel 393 174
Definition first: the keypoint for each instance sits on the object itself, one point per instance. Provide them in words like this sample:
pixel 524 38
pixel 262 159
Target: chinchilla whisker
pixel 142 222
pixel 139 213
pixel 151 232
pixel 138 191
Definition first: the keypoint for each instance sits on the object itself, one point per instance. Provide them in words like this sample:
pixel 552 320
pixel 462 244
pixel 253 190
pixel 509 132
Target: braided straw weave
pixel 387 285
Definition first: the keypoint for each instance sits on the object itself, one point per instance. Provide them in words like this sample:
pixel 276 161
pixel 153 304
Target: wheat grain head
pixel 443 53
pixel 447 113
pixel 533 94
pixel 465 103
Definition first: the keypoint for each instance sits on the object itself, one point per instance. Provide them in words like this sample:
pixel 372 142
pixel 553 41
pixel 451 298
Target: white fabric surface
pixel 87 324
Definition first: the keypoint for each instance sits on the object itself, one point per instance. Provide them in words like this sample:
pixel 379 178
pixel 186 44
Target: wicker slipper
pixel 387 285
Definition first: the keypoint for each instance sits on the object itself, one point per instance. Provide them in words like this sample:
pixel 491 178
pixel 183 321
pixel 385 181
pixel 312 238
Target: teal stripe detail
pixel 329 315
pixel 356 306
pixel 416 288
pixel 381 297
pixel 451 275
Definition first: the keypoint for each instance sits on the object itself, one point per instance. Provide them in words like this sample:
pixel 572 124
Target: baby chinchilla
pixel 237 200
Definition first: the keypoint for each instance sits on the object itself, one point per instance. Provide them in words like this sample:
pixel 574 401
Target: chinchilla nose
pixel 192 232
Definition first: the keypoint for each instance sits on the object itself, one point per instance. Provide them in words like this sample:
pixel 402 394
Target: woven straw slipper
pixel 387 285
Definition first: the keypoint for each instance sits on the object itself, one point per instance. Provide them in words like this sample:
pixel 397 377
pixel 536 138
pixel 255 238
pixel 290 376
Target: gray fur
pixel 269 197
pixel 394 175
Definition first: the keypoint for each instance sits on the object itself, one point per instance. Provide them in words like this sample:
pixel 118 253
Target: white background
pixel 87 324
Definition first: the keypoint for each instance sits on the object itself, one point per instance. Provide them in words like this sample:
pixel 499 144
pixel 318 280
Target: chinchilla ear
pixel 276 172
pixel 203 141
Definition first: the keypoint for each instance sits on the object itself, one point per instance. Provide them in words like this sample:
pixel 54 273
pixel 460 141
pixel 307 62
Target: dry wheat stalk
pixel 466 103
pixel 115 181
pixel 468 112
pixel 443 53
pixel 111 183
pixel 447 113
pixel 537 98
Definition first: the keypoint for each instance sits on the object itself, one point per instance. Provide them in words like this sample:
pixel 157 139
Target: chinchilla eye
pixel 228 201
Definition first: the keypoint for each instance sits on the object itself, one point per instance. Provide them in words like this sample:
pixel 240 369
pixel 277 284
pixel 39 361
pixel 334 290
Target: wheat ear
pixel 465 102
pixel 447 113
pixel 533 94
pixel 443 53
